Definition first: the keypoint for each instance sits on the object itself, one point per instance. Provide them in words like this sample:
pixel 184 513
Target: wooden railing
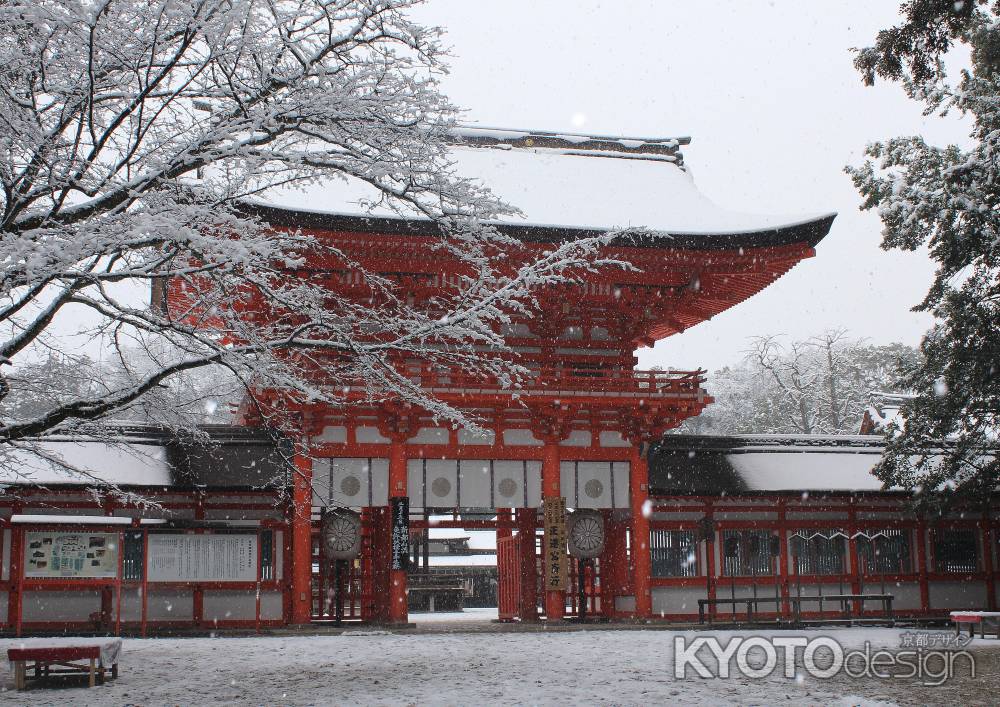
pixel 569 381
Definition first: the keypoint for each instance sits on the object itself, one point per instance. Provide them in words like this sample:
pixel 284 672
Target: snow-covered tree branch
pixel 131 134
pixel 818 385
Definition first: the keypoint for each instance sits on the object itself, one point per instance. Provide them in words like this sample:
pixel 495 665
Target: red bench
pixel 976 618
pixel 66 659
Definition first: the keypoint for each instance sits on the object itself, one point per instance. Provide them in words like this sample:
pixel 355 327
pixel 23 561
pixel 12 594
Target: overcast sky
pixel 767 92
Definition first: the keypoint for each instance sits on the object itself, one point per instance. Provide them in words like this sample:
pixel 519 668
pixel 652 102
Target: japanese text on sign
pixel 211 557
pixel 556 566
pixel 400 532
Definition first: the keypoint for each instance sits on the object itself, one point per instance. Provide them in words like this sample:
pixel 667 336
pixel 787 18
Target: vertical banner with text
pixel 556 566
pixel 400 506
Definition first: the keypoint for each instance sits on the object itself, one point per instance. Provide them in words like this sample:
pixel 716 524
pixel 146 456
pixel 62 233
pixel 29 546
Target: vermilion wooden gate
pixel 591 595
pixel 347 597
pixel 508 577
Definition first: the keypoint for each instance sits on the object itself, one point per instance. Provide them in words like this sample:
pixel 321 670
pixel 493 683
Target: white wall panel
pixel 466 437
pixel 332 434
pixel 415 482
pixel 229 605
pixel 75 605
pixel 577 438
pixel 567 482
pixel 131 604
pixel 957 595
pixel 619 479
pixel 430 435
pixel 475 484
pixel 380 482
pixel 442 483
pixel 520 438
pixel 170 605
pixel 594 485
pixel 613 439
pixel 676 600
pixel 369 435
pixel 509 484
pixel 534 484
pixel 355 482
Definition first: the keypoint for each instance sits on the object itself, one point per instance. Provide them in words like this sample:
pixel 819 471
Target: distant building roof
pixel 883 410
pixel 462 561
pixel 560 182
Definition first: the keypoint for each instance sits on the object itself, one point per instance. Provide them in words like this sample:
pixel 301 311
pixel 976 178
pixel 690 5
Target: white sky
pixel 766 90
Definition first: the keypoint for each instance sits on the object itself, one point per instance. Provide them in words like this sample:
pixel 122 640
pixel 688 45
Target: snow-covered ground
pixel 468 615
pixel 623 667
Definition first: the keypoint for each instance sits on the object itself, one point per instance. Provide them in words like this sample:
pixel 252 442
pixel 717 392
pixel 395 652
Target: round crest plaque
pixel 585 534
pixel 341 534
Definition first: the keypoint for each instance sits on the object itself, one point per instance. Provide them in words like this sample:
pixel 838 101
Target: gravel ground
pixel 459 668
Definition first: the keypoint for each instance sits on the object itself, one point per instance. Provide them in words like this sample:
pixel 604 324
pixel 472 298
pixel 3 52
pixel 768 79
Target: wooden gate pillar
pixel 398 608
pixel 614 572
pixel 526 520
pixel 301 522
pixel 642 565
pixel 555 599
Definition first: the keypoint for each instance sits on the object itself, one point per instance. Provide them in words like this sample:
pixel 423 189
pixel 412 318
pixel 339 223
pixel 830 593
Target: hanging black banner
pixel 400 532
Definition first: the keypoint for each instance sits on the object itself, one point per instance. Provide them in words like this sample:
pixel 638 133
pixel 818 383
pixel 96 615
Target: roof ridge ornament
pixel 665 149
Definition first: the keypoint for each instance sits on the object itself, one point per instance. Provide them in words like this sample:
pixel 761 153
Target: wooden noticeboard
pixel 400 532
pixel 70 554
pixel 209 557
pixel 554 554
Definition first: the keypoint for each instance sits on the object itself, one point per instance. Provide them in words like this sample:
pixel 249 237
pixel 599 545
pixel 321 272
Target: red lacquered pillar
pixel 526 523
pixel 302 539
pixel 641 561
pixel 555 599
pixel 398 610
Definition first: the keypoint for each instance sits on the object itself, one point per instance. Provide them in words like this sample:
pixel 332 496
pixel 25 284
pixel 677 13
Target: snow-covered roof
pixel 572 181
pixel 462 560
pixel 814 469
pixel 72 461
pixel 140 455
pixel 478 539
pixel 683 464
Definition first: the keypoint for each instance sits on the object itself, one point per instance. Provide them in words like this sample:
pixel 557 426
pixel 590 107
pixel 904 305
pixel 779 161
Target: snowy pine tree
pixel 947 199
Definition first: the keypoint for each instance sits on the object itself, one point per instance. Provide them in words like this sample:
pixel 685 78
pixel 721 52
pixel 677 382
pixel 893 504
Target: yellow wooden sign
pixel 554 554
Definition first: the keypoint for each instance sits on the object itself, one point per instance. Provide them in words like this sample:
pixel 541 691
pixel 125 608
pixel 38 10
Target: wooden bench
pixel 976 618
pixel 753 608
pixel 846 601
pixel 67 658
pixel 751 604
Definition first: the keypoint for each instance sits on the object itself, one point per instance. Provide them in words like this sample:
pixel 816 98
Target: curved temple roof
pixel 563 183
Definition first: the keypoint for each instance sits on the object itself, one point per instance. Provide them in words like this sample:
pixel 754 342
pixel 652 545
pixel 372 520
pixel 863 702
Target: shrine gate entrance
pixel 357 590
